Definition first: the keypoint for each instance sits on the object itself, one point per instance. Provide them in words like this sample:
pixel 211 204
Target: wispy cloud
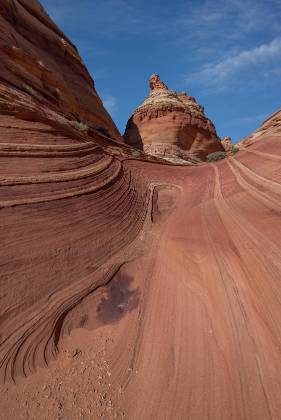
pixel 251 119
pixel 218 74
pixel 105 18
pixel 223 22
pixel 190 25
pixel 110 103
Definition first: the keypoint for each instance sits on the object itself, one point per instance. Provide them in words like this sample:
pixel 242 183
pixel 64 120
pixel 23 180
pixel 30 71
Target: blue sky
pixel 226 53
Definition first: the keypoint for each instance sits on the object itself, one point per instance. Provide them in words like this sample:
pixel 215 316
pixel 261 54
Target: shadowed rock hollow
pixel 172 126
pixel 129 288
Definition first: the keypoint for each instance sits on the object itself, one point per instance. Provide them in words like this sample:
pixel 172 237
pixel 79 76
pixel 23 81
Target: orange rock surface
pixel 130 289
pixel 172 126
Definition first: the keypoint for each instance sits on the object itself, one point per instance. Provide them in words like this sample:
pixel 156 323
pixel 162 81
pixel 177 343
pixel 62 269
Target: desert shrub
pixel 216 156
pixel 28 89
pixel 81 126
pixel 235 149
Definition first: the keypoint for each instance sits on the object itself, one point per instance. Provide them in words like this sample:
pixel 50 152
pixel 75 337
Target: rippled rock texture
pixel 172 125
pixel 129 288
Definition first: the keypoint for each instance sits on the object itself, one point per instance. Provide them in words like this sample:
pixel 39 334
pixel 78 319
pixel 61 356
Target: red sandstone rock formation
pixel 154 289
pixel 171 125
pixel 41 69
pixel 156 84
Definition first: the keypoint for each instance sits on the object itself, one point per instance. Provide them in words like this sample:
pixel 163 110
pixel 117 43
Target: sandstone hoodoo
pixel 227 144
pixel 172 126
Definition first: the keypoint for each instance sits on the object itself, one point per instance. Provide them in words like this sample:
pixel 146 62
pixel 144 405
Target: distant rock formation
pixel 172 126
pixel 227 144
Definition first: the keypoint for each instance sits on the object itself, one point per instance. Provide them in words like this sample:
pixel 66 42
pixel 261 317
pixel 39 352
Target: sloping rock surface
pixel 171 125
pixel 130 289
pixel 39 62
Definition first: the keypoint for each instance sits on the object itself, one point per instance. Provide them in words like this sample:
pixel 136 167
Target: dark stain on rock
pixel 119 299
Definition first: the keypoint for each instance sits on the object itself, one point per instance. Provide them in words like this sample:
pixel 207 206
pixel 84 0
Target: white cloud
pixel 217 39
pixel 220 21
pixel 200 19
pixel 219 73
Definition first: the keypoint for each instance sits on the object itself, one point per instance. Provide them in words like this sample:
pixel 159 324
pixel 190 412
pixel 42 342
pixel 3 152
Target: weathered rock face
pixel 171 125
pixel 40 68
pixel 156 84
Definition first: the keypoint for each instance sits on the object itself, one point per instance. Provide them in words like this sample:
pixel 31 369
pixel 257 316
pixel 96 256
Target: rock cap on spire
pixel 156 83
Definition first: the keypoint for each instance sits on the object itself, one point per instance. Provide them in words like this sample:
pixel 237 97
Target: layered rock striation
pixel 154 289
pixel 41 70
pixel 171 125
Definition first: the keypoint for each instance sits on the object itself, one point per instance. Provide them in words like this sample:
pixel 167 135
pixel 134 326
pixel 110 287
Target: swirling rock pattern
pixel 144 290
pixel 171 125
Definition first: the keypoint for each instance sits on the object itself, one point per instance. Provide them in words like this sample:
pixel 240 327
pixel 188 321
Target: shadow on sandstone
pixel 132 135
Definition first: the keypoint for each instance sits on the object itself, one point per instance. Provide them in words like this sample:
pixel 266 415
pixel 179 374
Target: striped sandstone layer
pixel 130 289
